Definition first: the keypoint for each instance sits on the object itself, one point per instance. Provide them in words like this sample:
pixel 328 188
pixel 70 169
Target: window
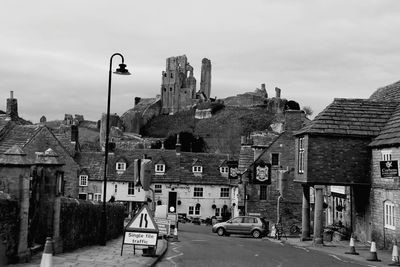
pixel 82 196
pixel 191 209
pixel 275 159
pixel 224 170
pixel 115 188
pixel 131 188
pixel 249 220
pixel 172 75
pixel 160 168
pixel 90 196
pixel 83 180
pixel 224 192
pixel 301 155
pixel 97 197
pixel 158 188
pixel 386 155
pixel 197 169
pixel 197 209
pixel 198 192
pixel 389 215
pixel 263 192
pixel 120 166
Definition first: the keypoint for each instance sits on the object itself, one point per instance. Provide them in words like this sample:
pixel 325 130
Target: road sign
pixel 141 230
pixel 138 238
pixel 163 226
pixel 142 222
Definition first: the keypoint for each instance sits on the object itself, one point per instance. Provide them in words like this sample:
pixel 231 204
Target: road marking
pixel 303 248
pixel 255 255
pixel 199 240
pixel 336 257
pixel 176 250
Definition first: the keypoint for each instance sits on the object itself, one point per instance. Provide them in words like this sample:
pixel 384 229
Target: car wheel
pixel 256 234
pixel 220 231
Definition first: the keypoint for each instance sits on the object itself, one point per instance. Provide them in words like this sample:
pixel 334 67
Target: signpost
pixel 141 230
pixel 163 226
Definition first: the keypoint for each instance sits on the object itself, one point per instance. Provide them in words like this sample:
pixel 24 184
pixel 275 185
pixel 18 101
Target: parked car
pixel 196 220
pixel 248 225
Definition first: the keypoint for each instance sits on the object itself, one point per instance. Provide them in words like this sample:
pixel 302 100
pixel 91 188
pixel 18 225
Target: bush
pixel 9 227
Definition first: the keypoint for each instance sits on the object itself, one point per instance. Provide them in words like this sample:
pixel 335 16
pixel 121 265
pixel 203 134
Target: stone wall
pixel 44 140
pixel 383 189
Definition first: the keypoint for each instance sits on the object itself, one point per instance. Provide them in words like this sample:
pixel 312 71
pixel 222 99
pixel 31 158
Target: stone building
pixel 279 196
pixel 334 155
pixel 178 84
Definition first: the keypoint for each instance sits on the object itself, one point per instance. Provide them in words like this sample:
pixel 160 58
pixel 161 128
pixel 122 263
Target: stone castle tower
pixel 205 81
pixel 178 86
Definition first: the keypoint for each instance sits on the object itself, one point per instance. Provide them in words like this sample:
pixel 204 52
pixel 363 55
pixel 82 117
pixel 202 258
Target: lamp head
pixel 122 70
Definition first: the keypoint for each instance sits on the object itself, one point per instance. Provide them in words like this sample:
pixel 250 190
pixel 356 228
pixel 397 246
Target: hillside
pixel 221 132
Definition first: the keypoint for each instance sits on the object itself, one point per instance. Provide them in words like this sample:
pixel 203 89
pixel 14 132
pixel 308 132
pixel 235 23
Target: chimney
pixel 137 100
pixel 263 86
pixel 294 120
pixel 74 133
pixel 277 92
pixel 12 107
pixel 178 145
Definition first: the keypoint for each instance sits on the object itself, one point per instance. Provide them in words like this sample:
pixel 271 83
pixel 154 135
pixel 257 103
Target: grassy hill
pixel 221 133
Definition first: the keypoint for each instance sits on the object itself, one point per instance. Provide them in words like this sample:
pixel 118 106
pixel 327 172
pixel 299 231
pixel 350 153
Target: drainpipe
pixel 277 209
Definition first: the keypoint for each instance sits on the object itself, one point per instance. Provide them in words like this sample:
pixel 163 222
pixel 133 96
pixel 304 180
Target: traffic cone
pixel 175 235
pixel 352 248
pixel 47 255
pixel 372 253
pixel 395 255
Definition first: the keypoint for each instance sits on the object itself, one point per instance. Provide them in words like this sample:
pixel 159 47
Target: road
pixel 198 246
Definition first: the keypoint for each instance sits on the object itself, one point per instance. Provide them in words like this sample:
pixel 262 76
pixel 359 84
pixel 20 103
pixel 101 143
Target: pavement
pixel 105 256
pixel 337 249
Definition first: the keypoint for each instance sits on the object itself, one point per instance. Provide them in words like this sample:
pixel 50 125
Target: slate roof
pixel 390 134
pixel 19 135
pixel 387 93
pixel 354 117
pixel 178 168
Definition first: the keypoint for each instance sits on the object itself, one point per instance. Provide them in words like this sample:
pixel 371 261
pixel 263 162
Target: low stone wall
pixel 8 231
pixel 80 222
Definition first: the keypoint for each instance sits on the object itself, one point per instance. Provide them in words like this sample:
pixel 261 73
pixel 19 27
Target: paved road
pixel 199 247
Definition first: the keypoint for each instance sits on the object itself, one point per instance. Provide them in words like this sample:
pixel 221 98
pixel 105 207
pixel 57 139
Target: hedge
pixel 80 222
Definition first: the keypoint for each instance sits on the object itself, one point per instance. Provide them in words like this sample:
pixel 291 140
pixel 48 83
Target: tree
pixel 308 111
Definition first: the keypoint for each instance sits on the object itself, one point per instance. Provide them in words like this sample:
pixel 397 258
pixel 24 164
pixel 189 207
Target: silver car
pixel 248 225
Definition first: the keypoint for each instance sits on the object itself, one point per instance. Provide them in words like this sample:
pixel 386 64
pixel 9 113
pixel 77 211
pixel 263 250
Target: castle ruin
pixel 178 86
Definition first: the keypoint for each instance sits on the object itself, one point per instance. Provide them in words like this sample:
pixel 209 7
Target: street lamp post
pixel 122 71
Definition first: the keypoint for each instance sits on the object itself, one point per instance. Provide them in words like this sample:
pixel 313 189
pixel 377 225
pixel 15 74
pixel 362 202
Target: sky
pixel 55 55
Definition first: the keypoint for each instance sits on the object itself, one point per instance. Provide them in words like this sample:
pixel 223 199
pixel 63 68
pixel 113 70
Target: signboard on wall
pixel 389 168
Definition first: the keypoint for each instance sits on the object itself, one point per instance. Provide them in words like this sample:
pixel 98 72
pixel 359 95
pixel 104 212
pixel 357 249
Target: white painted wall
pixel 211 195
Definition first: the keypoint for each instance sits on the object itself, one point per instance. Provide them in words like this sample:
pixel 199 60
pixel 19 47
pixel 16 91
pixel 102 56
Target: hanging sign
pixel 232 169
pixel 262 173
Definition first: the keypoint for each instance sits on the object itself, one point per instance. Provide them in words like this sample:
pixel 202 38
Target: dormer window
pixel 224 170
pixel 159 168
pixel 197 169
pixel 83 180
pixel 120 167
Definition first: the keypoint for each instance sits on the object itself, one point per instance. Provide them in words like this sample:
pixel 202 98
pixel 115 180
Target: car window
pixel 249 220
pixel 237 220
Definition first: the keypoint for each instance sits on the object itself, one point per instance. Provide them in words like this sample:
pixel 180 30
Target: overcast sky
pixel 55 55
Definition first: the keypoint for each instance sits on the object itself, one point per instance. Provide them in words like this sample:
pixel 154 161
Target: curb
pixel 159 257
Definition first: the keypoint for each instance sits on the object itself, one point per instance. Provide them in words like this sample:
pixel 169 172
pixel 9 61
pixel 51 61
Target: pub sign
pixel 389 168
pixel 262 173
pixel 233 169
